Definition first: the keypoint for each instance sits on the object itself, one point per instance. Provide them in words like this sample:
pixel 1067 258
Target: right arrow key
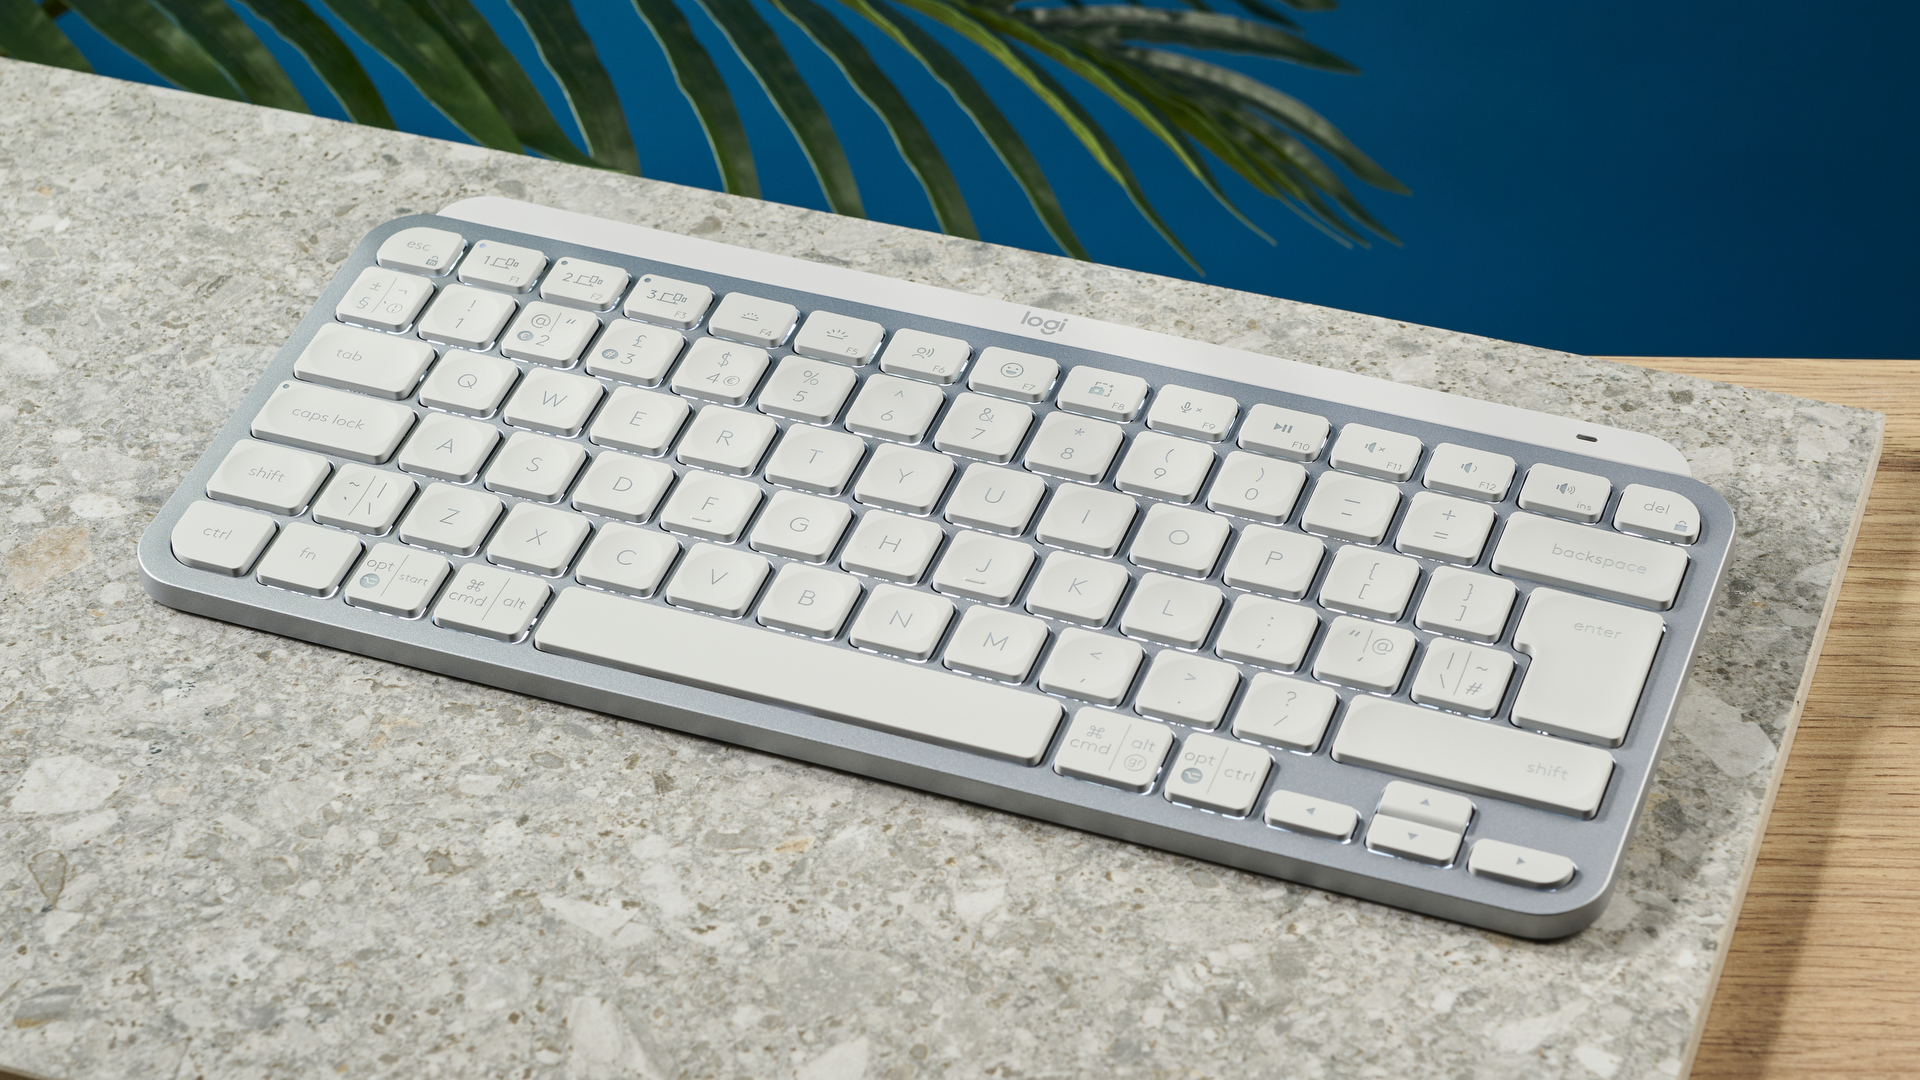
pixel 1518 865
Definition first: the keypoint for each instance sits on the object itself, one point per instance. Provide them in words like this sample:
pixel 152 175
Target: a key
pixel 902 478
pixel 811 391
pixel 811 459
pixel 718 580
pixel 1086 519
pixel 1299 813
pixel 1109 395
pixel 1518 865
pixel 622 486
pixel 1171 611
pixel 1292 714
pixel 916 354
pixel 1440 809
pixel 1073 447
pixel 268 477
pixel 1464 678
pixel 981 427
pixel 491 602
pixel 983 567
pixel 996 499
pixel 643 421
pixel 896 409
pixel 726 440
pixel 1256 487
pixel 549 334
pixel 362 499
pixel 469 383
pixel 1350 507
pixel 808 600
pixel 1113 749
pixel 1412 840
pixel 804 527
pixel 222 539
pixel 1009 374
pixel 466 317
pixel 720 371
pixel 1164 467
pixel 1217 774
pixel 710 506
pixel 421 250
pixel 351 426
pixel 1364 655
pixel 1376 452
pixel 308 559
pixel 1193 413
pixel 1476 474
pixel 553 401
pixel 1283 432
pixel 449 447
pixel 538 538
pixel 396 580
pixel 1565 493
pixel 1274 562
pixel 901 622
pixel 501 266
pixel 668 301
pixel 752 320
pixel 890 546
pixel 995 644
pixel 1092 667
pixel 1590 560
pixel 582 284
pixel 839 338
pixel 1446 528
pixel 1270 633
pixel 1187 689
pixel 1179 541
pixel 1077 589
pixel 634 352
pixel 628 560
pixel 1465 604
pixel 352 359
pixel 535 467
pixel 1658 513
pixel 1369 583
pixel 1590 662
pixel 450 519
pixel 383 299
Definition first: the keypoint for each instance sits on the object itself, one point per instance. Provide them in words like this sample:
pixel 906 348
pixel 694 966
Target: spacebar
pixel 827 680
pixel 1474 755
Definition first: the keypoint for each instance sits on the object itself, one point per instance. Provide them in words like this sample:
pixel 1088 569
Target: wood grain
pixel 1823 978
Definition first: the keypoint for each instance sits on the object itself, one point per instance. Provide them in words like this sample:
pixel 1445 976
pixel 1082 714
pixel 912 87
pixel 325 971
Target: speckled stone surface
pixel 227 854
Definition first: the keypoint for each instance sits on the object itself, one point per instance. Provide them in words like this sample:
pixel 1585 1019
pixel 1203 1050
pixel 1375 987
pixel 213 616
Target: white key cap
pixel 1252 486
pixel 720 371
pixel 1165 467
pixel 1462 470
pixel 633 352
pixel 711 506
pixel 1473 756
pixel 811 391
pixel 421 250
pixel 643 421
pixel 814 460
pixel 1171 611
pixel 839 338
pixel 668 301
pixel 1443 527
pixel 1092 667
pixel 1564 493
pixel 449 447
pixel 308 559
pixel 1590 661
pixel 1283 432
pixel 538 538
pixel 1591 560
pixel 1274 562
pixel 1363 655
pixel 998 500
pixel 1218 774
pixel 1113 749
pixel 904 479
pixel 1656 512
pixel 491 602
pixel 352 359
pixel 626 559
pixel 928 357
pixel 396 580
pixel 268 477
pixel 890 546
pixel 1077 589
pixel 727 440
pixel 1186 688
pixel 1289 713
pixel 362 499
pixel 1463 678
pixel 1372 451
pixel 752 320
pixel 622 486
pixel 717 580
pixel 804 527
pixel 383 299
pixel 1270 633
pixel 1009 374
pixel 582 284
pixel 1369 583
pixel 549 334
pixel 450 519
pixel 808 600
pixel 1086 519
pixel 890 408
pixel 470 383
pixel 1440 809
pixel 1465 604
pixel 983 567
pixel 1179 541
pixel 502 266
pixel 1412 840
pixel 1518 865
pixel 1109 395
pixel 901 622
pixel 1193 413
pixel 825 680
pixel 1299 813
pixel 982 427
pixel 1350 507
pixel 348 425
pixel 995 644
pixel 223 539
pixel 467 317
pixel 1073 447
pixel 535 467
pixel 553 402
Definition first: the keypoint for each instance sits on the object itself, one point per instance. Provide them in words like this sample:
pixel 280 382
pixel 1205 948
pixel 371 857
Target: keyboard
pixel 1375 639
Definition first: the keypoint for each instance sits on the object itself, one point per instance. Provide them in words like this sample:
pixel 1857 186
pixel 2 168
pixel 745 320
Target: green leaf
pixel 238 52
pixel 754 40
pixel 910 136
pixel 329 56
pixel 487 59
pixel 1110 24
pixel 706 91
pixel 26 33
pixel 429 63
pixel 569 54
pixel 156 41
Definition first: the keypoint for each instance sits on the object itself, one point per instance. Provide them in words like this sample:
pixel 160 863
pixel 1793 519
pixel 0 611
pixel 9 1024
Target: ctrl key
pixel 223 539
pixel 1113 749
pixel 396 580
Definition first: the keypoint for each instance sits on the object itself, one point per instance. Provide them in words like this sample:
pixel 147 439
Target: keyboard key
pixel 469 318
pixel 1217 774
pixel 1009 374
pixel 1193 413
pixel 1518 865
pixel 1590 662
pixel 421 250
pixel 535 467
pixel 396 580
pixel 825 680
pixel 1171 611
pixel 752 320
pixel 582 284
pixel 378 364
pixel 721 372
pixel 1274 562
pixel 1270 633
pixel 1369 583
pixel 268 477
pixel 1179 541
pixel 903 478
pixel 811 459
pixel 717 580
pixel 1086 519
pixel 450 519
pixel 1292 714
pixel 1164 467
pixel 383 299
pixel 348 425
pixel 726 440
pixel 1077 589
pixel 1092 667
pixel 1658 513
pixel 897 409
pixel 901 622
pixel 1113 749
pixel 1412 840
pixel 1465 604
pixel 1108 395
pixel 308 559
pixel 223 539
pixel 626 559
pixel 1299 813
pixel 668 301
pixel 549 334
pixel 502 266
pixel 981 427
pixel 538 538
pixel 916 354
pixel 1440 809
pixel 1256 487
pixel 811 391
pixel 643 421
pixel 1446 528
pixel 553 401
pixel 711 506
pixel 1376 452
pixel 891 546
pixel 622 486
pixel 983 567
pixel 633 352
pixel 1464 678
pixel 1073 447
pixel 1590 560
pixel 1350 507
pixel 839 338
pixel 995 644
pixel 1564 493
pixel 1476 474
pixel 1364 655
pixel 804 527
pixel 491 602
pixel 362 499
pixel 808 600
pixel 1283 432
pixel 998 500
pixel 469 383
pixel 449 447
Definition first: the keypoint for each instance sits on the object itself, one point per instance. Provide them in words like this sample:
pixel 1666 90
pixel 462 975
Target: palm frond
pixel 26 33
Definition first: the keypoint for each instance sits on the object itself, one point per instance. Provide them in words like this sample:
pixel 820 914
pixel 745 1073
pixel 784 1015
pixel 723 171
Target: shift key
pixel 315 418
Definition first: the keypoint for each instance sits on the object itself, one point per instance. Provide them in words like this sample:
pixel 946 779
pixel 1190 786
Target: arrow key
pixel 1518 865
pixel 1412 840
pixel 1440 809
pixel 1305 814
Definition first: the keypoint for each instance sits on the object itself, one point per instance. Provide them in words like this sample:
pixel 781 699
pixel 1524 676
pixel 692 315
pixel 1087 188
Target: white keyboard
pixel 1384 641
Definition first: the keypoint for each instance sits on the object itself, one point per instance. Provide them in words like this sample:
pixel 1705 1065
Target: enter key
pixel 1590 663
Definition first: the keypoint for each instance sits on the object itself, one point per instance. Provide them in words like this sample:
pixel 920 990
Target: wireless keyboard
pixel 1380 640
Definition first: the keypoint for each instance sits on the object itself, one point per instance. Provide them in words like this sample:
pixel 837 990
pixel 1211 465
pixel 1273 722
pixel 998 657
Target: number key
pixel 981 427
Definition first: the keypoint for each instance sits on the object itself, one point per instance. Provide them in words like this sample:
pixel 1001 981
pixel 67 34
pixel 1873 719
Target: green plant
pixel 1141 58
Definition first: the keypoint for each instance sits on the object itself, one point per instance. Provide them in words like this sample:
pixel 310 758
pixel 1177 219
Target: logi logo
pixel 1047 326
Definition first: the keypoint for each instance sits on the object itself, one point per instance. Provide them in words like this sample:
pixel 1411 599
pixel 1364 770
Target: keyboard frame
pixel 1597 845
